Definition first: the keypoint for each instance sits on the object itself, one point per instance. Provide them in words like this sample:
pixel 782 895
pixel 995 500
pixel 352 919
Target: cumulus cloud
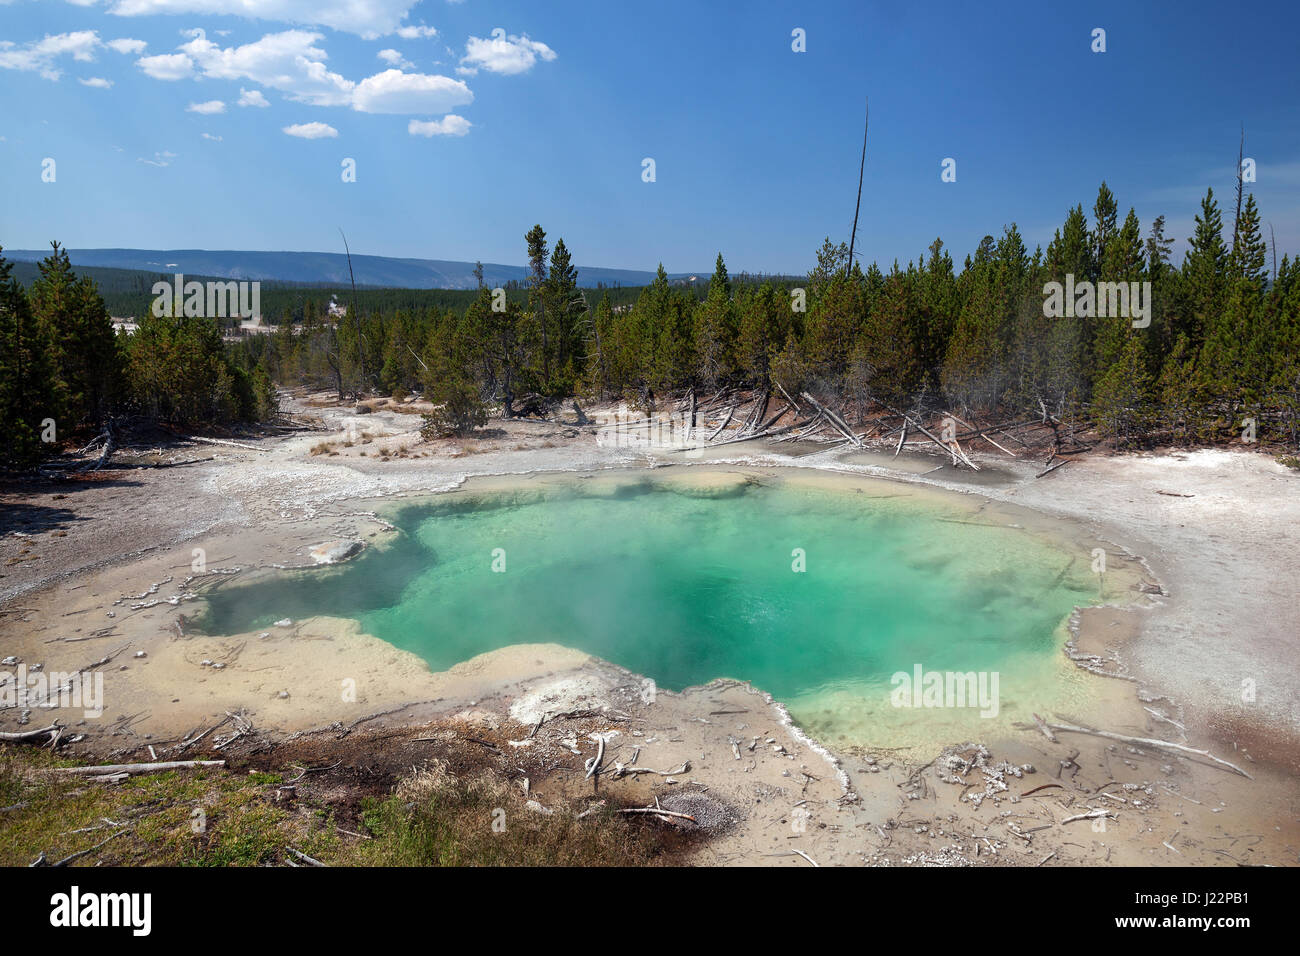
pixel 252 98
pixel 394 58
pixel 362 17
pixel 97 82
pixel 207 108
pixel 449 125
pixel 41 55
pixel 215 139
pixel 167 66
pixel 416 32
pixel 393 91
pixel 508 55
pixel 312 131
pixel 126 45
pixel 288 61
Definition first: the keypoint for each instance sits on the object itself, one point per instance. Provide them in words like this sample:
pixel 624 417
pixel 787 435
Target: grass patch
pixel 218 817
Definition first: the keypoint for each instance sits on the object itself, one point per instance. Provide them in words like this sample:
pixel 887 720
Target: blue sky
pixel 469 121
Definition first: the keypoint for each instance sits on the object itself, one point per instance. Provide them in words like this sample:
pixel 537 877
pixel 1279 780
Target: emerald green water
pixel 683 584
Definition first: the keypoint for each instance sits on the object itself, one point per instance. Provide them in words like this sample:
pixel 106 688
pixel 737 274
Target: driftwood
pixel 659 812
pixel 622 771
pixel 593 766
pixel 23 736
pixel 221 441
pixel 1048 471
pixel 310 861
pixel 840 425
pixel 1047 732
pixel 1150 742
pixel 41 861
pixel 725 422
pixel 1090 815
pixel 980 433
pixel 131 769
pixel 792 402
pixel 901 438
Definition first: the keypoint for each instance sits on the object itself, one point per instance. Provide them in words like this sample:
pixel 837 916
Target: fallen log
pixel 725 422
pixel 954 452
pixel 22 736
pixel 1048 471
pixel 132 769
pixel 1150 742
pixel 840 425
pixel 659 812
pixel 221 441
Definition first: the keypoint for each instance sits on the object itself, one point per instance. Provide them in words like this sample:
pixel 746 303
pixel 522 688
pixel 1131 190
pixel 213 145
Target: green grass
pixel 215 817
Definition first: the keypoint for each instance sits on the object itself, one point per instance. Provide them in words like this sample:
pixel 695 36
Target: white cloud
pixel 508 55
pixel 215 139
pixel 416 32
pixel 252 98
pixel 312 131
pixel 293 63
pixel 98 82
pixel 40 55
pixel 288 61
pixel 167 66
pixel 393 91
pixel 394 58
pixel 159 159
pixel 126 45
pixel 207 108
pixel 449 125
pixel 362 17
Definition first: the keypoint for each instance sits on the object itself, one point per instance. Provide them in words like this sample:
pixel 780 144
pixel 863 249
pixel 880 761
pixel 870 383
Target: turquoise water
pixel 684 583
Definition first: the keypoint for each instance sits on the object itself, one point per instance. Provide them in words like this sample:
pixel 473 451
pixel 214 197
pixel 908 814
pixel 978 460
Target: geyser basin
pixel 816 588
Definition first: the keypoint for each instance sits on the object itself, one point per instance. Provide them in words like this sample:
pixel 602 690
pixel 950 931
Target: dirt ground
pixel 96 574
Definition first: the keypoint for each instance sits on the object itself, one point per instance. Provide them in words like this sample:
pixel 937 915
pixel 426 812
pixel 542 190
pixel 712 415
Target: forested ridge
pixel 1222 345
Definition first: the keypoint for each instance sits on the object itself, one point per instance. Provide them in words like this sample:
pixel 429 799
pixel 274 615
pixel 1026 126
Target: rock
pixel 284 622
pixel 364 410
pixel 332 552
pixel 9 661
pixel 283 695
pixel 141 654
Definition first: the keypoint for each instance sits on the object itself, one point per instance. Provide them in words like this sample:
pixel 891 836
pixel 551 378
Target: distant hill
pixel 329 268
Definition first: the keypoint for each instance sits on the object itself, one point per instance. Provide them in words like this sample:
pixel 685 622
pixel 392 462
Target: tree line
pixel 63 369
pixel 1216 358
pixel 1219 349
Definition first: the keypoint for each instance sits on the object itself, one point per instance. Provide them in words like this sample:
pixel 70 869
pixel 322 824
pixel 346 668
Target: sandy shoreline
pixel 1216 553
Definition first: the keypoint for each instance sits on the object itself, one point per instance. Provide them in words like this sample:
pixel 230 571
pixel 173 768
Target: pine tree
pixel 1122 396
pixel 716 330
pixel 83 348
pixel 536 239
pixel 26 395
pixel 1204 267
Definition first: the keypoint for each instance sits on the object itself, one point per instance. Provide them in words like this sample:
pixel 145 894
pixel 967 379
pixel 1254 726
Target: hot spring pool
pixel 817 591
